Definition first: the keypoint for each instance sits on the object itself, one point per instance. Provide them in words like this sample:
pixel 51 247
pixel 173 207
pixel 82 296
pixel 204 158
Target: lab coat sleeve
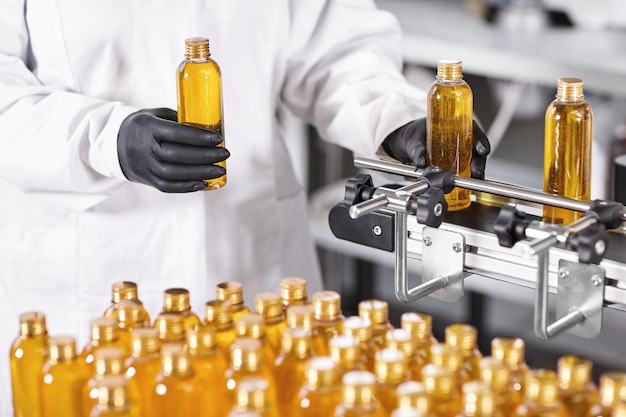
pixel 53 142
pixel 344 73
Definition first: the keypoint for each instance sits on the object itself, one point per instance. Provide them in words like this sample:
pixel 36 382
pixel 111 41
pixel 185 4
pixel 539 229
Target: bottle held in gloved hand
pixel 199 89
pixel 449 119
pixel 567 149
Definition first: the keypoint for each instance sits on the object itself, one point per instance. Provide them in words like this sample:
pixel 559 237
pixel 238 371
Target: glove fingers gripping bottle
pixel 199 88
pixel 449 120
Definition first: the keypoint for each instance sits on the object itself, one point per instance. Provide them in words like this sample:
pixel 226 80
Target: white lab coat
pixel 72 70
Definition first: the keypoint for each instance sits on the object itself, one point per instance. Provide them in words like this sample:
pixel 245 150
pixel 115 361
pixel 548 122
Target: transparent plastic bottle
pixel 612 392
pixel 108 360
pixel 361 328
pixel 403 341
pixel 541 396
pixel 143 365
pixel 303 316
pixel 450 358
pixel 442 385
pixel 113 399
pixel 27 357
pixel 321 393
pixel 576 388
pixel 479 401
pixel 199 89
pixel 171 327
pixel 390 369
pixel 104 333
pixel 496 374
pixel 62 378
pixel 464 337
pixel 252 399
pixel 449 120
pixel 567 149
pixel 420 326
pixel 293 291
pixel 253 326
pixel 413 395
pixel 219 314
pixel 232 291
pixel 124 290
pixel 346 353
pixel 376 311
pixel 288 368
pixel 176 300
pixel 328 317
pixel 269 306
pixel 130 315
pixel 511 350
pixel 358 399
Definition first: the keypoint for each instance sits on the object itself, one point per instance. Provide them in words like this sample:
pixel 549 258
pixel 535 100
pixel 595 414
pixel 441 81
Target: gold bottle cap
pixel 200 340
pixel 197 48
pixel 358 327
pixel 130 314
pixel 301 315
pixel 542 387
pixel 462 336
pixel 296 342
pixel 412 394
pixel 345 350
pixel 123 290
pixel 250 325
pixel 144 341
pixel 574 372
pixel 245 354
pixel 176 300
pixel 104 330
pixel 321 372
pixel 269 306
pixel 402 340
pixel 175 360
pixel 446 356
pixel 390 366
pixel 293 290
pixel 358 389
pixel 251 394
pixel 219 313
pixel 171 327
pixel 478 400
pixel 109 360
pixel 612 388
pixel 569 89
pixel 231 291
pixel 449 69
pixel 420 325
pixel 439 381
pixel 112 391
pixel 510 350
pixel 327 305
pixel 495 373
pixel 61 349
pixel 376 311
pixel 32 324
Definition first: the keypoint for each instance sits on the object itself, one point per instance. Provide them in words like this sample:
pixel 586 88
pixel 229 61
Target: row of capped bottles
pixel 288 357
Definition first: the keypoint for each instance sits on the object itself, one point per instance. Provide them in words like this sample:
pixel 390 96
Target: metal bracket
pixel 443 255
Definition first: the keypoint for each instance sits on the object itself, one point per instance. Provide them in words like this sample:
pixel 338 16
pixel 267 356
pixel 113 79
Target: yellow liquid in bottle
pixel 269 306
pixel 357 399
pixel 541 397
pixel 253 326
pixel 512 351
pixel 376 311
pixel 28 355
pixel 361 328
pixel 497 375
pixel 567 149
pixel 176 300
pixel 443 389
pixel 576 389
pixel 219 314
pixel 199 87
pixel 124 290
pixel 419 325
pixel 113 399
pixel 62 378
pixel 252 399
pixel 104 333
pixel 143 365
pixel 346 353
pixel 463 336
pixel 612 393
pixel 232 291
pixel 449 140
pixel 391 370
pixel 321 393
pixel 328 317
pixel 412 394
pixel 108 361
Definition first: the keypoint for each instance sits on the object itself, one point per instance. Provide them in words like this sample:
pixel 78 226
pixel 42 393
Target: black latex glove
pixel 408 144
pixel 154 149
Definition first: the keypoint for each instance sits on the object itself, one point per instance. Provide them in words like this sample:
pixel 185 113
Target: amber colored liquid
pixel 179 396
pixel 471 364
pixel 449 140
pixel 111 311
pixel 374 411
pixel 211 370
pixel 142 373
pixel 273 333
pixel 378 335
pixel 241 311
pixel 388 397
pixel 87 354
pixel 599 410
pixel 449 406
pixel 61 388
pixel 199 87
pixel 223 340
pixel 190 319
pixel 289 376
pixel 321 402
pixel 518 377
pixel 326 330
pixel 579 402
pixel 528 409
pixel 28 356
pixel 126 411
pixel 233 377
pixel 567 156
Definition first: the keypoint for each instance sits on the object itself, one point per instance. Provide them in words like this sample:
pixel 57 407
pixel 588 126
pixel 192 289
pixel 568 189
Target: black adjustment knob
pixel 510 226
pixel 609 213
pixel 358 188
pixel 590 243
pixel 430 207
pixel 439 178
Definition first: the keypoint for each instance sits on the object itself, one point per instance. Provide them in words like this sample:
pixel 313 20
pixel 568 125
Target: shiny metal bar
pixel 492 187
pixel 565 323
pixel 367 206
pixel 540 320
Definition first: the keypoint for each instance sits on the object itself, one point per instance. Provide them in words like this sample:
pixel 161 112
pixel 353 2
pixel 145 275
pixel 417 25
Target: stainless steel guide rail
pixel 463 244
